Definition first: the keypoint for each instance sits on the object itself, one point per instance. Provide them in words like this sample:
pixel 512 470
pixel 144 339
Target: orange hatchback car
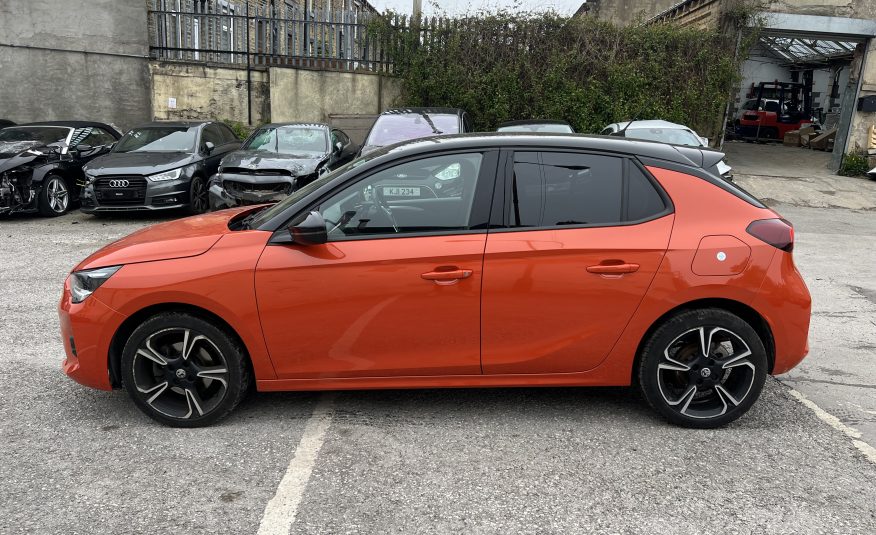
pixel 479 260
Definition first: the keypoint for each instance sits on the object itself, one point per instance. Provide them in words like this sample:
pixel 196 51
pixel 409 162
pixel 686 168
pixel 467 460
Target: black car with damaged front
pixel 276 160
pixel 158 166
pixel 41 164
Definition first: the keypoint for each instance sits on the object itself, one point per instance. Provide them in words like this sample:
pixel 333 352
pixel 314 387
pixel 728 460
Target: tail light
pixel 776 232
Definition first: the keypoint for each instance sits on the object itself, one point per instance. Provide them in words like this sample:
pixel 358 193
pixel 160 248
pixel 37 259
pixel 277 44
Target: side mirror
pixel 209 146
pixel 705 141
pixel 339 146
pixel 83 147
pixel 310 231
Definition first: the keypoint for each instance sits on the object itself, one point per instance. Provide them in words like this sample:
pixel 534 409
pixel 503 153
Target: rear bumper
pixel 785 303
pixel 87 330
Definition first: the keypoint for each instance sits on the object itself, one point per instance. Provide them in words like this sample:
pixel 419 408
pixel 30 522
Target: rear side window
pixel 643 199
pixel 558 188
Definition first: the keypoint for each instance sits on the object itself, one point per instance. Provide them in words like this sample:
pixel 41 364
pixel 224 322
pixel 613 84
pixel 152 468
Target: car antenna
pixel 631 121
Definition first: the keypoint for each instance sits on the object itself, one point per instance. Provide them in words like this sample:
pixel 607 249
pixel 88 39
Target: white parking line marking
pixel 281 510
pixel 831 420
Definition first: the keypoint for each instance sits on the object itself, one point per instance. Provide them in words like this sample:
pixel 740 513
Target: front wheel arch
pixel 114 358
pixel 745 312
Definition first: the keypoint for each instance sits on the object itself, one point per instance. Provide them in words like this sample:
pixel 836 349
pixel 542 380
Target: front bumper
pixel 87 330
pixel 230 190
pixel 166 195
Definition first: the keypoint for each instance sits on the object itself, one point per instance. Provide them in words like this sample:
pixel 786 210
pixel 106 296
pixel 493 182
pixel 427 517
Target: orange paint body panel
pixel 721 255
pixel 363 308
pixel 544 312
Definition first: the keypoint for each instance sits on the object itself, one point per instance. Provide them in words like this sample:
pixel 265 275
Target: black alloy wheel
pixel 199 201
pixel 703 368
pixel 183 371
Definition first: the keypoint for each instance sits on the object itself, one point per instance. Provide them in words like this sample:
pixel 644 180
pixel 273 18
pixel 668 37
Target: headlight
pixel 167 175
pixel 84 283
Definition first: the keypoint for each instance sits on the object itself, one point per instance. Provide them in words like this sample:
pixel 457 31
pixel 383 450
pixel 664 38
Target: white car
pixel 665 132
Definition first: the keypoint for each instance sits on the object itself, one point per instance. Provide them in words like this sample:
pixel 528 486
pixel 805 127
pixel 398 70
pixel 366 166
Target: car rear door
pixel 396 290
pixel 583 236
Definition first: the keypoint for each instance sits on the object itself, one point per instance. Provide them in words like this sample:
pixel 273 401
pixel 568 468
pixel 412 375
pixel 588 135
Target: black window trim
pixel 501 222
pixel 480 209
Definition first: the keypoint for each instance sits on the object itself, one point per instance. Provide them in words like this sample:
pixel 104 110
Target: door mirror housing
pixel 208 147
pixel 339 147
pixel 309 231
pixel 83 147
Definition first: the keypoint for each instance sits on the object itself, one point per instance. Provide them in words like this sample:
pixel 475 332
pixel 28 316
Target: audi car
pixel 41 164
pixel 558 261
pixel 276 160
pixel 158 166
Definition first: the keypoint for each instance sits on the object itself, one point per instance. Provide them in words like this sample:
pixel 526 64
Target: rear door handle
pixel 447 275
pixel 613 269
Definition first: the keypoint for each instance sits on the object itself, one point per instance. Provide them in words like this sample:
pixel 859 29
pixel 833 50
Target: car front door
pixel 396 290
pixel 584 235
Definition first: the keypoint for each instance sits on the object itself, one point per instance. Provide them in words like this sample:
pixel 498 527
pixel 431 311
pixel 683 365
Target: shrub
pixel 590 73
pixel 854 164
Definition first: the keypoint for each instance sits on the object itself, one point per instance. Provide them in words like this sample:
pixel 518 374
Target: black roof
pixel 429 110
pixel 532 121
pixel 73 124
pixel 680 154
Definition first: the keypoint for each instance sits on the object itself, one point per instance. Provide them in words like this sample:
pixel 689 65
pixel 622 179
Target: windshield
pixel 289 140
pixel 159 139
pixel 392 128
pixel 542 127
pixel 42 134
pixel 265 215
pixel 676 136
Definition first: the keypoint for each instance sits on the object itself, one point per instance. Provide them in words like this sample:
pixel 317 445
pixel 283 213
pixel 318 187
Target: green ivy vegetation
pixel 505 66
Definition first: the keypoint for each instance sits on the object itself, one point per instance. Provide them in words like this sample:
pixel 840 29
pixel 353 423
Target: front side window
pixel 551 189
pixel 428 195
pixel 159 139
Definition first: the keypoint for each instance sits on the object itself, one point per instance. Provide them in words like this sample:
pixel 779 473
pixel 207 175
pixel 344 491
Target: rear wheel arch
pixel 743 311
pixel 128 326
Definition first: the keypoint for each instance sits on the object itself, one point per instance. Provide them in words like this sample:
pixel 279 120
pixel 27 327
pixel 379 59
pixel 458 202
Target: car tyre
pixel 199 200
pixel 702 368
pixel 183 370
pixel 54 197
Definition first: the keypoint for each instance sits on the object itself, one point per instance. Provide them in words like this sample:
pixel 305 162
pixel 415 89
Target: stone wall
pixel 198 91
pixel 306 95
pixel 74 60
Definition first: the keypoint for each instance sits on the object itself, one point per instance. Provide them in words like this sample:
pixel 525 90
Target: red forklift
pixel 780 107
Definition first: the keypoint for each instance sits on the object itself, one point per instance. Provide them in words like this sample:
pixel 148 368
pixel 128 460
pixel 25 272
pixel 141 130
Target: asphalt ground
pixel 566 460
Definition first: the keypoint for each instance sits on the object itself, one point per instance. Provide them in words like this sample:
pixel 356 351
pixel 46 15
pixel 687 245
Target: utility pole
pixel 418 9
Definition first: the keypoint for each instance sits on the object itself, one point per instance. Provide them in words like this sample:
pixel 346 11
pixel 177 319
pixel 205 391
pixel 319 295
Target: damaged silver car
pixel 276 160
pixel 41 164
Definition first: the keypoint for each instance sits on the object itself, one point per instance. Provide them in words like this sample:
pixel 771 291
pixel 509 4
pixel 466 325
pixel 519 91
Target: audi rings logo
pixel 119 183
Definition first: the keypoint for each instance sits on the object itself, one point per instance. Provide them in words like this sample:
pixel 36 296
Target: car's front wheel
pixel 54 197
pixel 199 201
pixel 703 368
pixel 184 371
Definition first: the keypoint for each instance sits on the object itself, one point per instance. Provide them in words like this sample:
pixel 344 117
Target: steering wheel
pixel 381 202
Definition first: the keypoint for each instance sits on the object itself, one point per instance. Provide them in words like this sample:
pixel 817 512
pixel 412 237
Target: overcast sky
pixel 458 7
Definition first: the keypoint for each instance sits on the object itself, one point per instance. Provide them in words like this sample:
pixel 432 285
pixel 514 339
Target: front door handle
pixel 613 269
pixel 447 275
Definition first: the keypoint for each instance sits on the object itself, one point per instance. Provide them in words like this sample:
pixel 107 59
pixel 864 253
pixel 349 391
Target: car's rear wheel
pixel 54 197
pixel 199 201
pixel 184 371
pixel 703 368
